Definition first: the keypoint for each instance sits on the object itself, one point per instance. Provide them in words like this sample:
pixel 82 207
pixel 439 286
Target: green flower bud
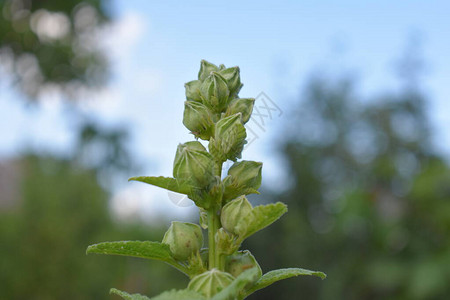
pixel 210 282
pixel 244 106
pixel 233 214
pixel 205 69
pixel 233 78
pixel 197 119
pixel 214 92
pixel 229 138
pixel 243 178
pixel 193 90
pixel 241 261
pixel 194 164
pixel 184 239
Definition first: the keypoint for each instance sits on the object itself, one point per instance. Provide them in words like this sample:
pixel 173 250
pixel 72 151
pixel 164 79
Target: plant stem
pixel 221 261
pixel 213 226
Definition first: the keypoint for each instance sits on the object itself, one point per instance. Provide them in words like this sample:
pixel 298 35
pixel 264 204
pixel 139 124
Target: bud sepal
pixel 241 105
pixel 215 93
pixel 229 138
pixel 233 79
pixel 210 282
pixel 243 178
pixel 205 69
pixel 193 90
pixel 241 261
pixel 197 118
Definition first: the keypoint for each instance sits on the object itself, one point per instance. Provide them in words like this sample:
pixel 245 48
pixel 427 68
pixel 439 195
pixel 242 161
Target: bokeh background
pixel 352 126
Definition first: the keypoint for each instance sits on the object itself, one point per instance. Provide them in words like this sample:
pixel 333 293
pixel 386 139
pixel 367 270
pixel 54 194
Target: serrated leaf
pixel 236 289
pixel 179 295
pixel 277 275
pixel 260 217
pixel 146 249
pixel 127 296
pixel 168 183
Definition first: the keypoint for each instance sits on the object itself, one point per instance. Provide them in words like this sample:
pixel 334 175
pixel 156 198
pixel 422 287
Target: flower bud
pixel 215 93
pixel 205 69
pixel 229 138
pixel 183 239
pixel 193 90
pixel 243 178
pixel 197 119
pixel 233 78
pixel 241 261
pixel 193 164
pixel 244 106
pixel 233 214
pixel 210 282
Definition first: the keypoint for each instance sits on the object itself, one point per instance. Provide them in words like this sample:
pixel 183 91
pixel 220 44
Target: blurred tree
pixel 61 208
pixel 369 203
pixel 53 43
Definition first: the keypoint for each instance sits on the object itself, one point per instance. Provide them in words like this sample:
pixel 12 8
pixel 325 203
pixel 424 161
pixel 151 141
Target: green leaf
pixel 168 183
pixel 236 288
pixel 169 295
pixel 179 295
pixel 147 249
pixel 260 217
pixel 277 275
pixel 127 296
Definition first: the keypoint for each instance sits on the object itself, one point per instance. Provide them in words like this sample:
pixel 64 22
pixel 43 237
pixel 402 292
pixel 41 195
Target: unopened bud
pixel 197 119
pixel 183 239
pixel 233 214
pixel 243 106
pixel 233 78
pixel 215 92
pixel 205 69
pixel 193 90
pixel 243 178
pixel 241 261
pixel 229 138
pixel 193 164
pixel 210 282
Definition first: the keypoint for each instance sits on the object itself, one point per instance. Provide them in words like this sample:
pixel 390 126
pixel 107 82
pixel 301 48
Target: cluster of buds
pixel 214 113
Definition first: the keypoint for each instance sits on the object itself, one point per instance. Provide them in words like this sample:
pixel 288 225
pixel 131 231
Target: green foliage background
pixel 369 200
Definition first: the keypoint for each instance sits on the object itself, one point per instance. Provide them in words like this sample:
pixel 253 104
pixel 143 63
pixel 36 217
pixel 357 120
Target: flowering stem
pixel 213 227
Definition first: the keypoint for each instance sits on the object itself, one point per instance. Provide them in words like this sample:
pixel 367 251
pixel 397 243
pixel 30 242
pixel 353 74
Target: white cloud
pixel 120 39
pixel 149 203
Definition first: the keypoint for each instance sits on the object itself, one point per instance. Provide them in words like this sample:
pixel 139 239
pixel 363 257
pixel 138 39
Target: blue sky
pixel 156 47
